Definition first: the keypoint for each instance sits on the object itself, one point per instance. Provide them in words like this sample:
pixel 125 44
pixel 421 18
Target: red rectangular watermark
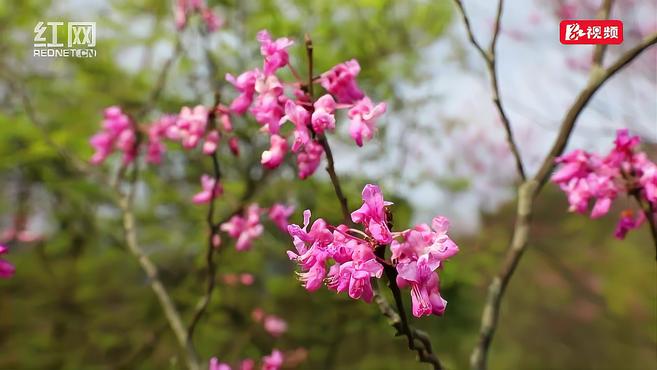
pixel 591 31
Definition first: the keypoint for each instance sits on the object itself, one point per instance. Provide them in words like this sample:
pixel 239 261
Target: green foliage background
pixel 580 300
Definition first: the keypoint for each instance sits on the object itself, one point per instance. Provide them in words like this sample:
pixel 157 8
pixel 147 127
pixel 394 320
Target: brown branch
pixel 648 211
pixel 170 311
pixel 527 193
pixel 489 57
pixel 599 51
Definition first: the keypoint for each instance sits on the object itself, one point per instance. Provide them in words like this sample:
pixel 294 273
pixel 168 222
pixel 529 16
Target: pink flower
pixel 322 118
pixel 208 185
pixel 628 222
pixel 245 84
pixel 233 144
pixel 244 228
pixel 117 133
pixel 363 116
pixel 424 285
pixel 341 82
pixel 372 214
pixel 247 364
pixel 157 131
pixel 211 142
pixel 309 159
pixel 279 214
pixel 275 52
pixel 257 314
pixel 268 107
pixel 273 157
pixel 273 361
pixel 7 270
pixel 180 14
pixel 275 326
pixel 191 125
pixel 355 276
pixel 246 279
pixel 311 250
pixel 216 365
pixel 212 21
pixel 300 117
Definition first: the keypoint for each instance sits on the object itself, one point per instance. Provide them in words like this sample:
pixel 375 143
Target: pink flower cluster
pixel 274 361
pixel 345 259
pixel 185 8
pixel 246 227
pixel 118 133
pixel 273 103
pixel 6 269
pixel 587 177
pixel 235 279
pixel 272 324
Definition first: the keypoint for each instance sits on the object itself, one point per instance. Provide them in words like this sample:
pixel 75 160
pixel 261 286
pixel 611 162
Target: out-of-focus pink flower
pixel 244 228
pixel 275 52
pixel 273 157
pixel 7 270
pixel 212 21
pixel 247 364
pixel 233 144
pixel 274 361
pixel 257 314
pixel 216 241
pixel 341 82
pixel 309 158
pixel 208 185
pixel 211 142
pixel 158 131
pixel 245 84
pixel 372 214
pixel 117 133
pixel 300 117
pixel 279 214
pixel 363 119
pixel 628 222
pixel 191 125
pixel 274 325
pixel 246 279
pixel 216 365
pixel 322 118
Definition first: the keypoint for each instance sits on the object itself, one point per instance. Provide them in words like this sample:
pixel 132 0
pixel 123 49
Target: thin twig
pixel 489 57
pixel 528 192
pixel 599 51
pixel 649 212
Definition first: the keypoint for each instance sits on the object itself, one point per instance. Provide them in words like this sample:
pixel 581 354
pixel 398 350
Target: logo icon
pixel 592 32
pixel 80 40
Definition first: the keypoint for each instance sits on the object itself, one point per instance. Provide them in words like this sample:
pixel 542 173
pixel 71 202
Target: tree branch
pixel 489 57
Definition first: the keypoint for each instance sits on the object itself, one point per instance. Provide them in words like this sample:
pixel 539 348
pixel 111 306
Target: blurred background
pixel 580 298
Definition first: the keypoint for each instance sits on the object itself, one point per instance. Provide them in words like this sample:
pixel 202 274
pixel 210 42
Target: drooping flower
pixel 268 106
pixel 208 185
pixel 273 157
pixel 424 285
pixel 191 125
pixel 245 228
pixel 274 361
pixel 280 214
pixel 7 270
pixel 311 250
pixel 211 142
pixel 309 158
pixel 322 118
pixel 300 117
pixel 341 82
pixel 274 51
pixel 627 222
pixel 245 84
pixel 363 118
pixel 372 214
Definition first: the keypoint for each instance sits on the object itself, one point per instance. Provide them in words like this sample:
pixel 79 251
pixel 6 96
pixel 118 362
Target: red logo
pixel 588 31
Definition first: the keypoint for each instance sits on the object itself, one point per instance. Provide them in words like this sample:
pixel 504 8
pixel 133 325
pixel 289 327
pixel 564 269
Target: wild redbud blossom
pixel 363 116
pixel 6 269
pixel 341 82
pixel 191 125
pixel 585 176
pixel 117 133
pixel 245 84
pixel 372 214
pixel 322 118
pixel 273 157
pixel 274 325
pixel 184 8
pixel 257 314
pixel 208 185
pixel 247 279
pixel 244 228
pixel 274 51
pixel 300 117
pixel 311 250
pixel 211 142
pixel 216 365
pixel 158 131
pixel 627 222
pixel 280 214
pixel 268 107
pixel 211 19
pixel 309 158
pixel 233 144
pixel 274 361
